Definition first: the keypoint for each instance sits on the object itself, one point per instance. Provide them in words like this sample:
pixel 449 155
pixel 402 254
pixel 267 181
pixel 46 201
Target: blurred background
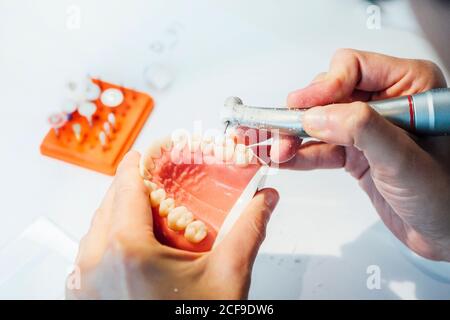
pixel 324 237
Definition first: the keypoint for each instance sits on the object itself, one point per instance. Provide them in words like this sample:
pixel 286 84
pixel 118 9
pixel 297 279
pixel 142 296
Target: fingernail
pixel 315 119
pixel 271 198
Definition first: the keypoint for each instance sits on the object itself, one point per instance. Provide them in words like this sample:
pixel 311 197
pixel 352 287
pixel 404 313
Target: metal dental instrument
pixel 227 124
pixel 426 113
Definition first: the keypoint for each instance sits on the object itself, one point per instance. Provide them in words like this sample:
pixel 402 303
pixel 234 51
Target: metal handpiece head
pixel 284 120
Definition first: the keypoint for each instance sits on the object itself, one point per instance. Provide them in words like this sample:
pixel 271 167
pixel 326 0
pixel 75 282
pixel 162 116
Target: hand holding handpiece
pixel 426 113
pixel 406 177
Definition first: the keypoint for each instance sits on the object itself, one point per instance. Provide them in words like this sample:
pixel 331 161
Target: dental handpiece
pixel 426 113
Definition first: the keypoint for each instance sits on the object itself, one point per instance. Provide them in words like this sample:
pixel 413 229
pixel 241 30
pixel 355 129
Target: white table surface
pixel 324 233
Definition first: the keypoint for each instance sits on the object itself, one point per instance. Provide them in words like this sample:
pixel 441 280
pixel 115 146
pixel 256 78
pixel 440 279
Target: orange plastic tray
pixel 130 117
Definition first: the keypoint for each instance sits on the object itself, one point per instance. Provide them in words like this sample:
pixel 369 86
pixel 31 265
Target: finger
pixel 131 208
pixel 367 71
pixel 327 88
pixel 316 155
pixel 242 243
pixel 284 148
pixel 93 244
pixel 386 147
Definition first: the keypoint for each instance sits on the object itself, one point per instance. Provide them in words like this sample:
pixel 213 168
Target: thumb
pixel 388 149
pixel 131 211
pixel 242 243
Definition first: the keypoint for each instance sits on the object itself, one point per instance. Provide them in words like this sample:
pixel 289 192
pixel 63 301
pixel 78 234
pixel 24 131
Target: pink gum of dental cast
pixel 209 191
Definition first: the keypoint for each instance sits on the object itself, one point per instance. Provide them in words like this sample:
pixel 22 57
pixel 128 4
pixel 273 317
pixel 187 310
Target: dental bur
pixel 426 113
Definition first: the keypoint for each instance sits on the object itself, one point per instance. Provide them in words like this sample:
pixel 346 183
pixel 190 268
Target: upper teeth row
pixel 178 218
pixel 220 149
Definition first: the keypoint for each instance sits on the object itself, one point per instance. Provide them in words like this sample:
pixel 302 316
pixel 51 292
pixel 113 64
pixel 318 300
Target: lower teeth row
pixel 178 218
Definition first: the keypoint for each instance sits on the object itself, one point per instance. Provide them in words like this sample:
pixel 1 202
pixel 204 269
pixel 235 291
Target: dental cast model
pixel 194 182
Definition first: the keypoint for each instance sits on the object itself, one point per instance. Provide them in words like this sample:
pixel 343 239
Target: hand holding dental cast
pixel 406 177
pixel 121 258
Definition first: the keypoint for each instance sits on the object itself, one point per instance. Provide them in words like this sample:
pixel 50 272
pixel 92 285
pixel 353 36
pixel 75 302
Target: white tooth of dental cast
pixel 166 206
pixel 194 142
pixel 249 154
pixel 240 159
pixel 240 155
pixel 240 148
pixel 229 150
pixel 231 134
pixel 151 186
pixel 179 218
pixel 208 138
pixel 223 149
pixel 157 196
pixel 219 139
pixel 196 231
pixel 207 145
pixel 243 155
pixel 219 151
